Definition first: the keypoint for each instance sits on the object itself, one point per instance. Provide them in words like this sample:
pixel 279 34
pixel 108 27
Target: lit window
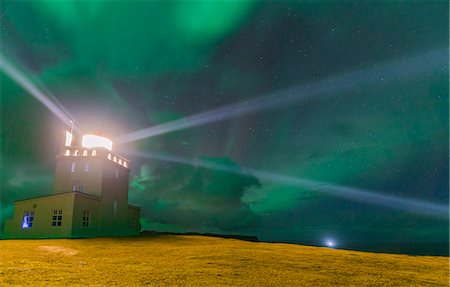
pixel 114 159
pixel 86 167
pixel 86 215
pixel 68 139
pixel 94 152
pixel 76 153
pixel 27 221
pixel 80 187
pixel 116 172
pixel 109 156
pixel 125 164
pixel 85 153
pixel 67 152
pixel 115 209
pixel 73 167
pixel 57 218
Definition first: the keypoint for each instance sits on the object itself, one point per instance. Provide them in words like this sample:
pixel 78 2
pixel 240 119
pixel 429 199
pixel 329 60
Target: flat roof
pixel 58 194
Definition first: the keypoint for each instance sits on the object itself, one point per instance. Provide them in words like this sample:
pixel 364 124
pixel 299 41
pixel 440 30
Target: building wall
pixel 81 205
pixel 134 225
pixel 100 181
pixel 43 211
pixel 114 220
pixel 90 180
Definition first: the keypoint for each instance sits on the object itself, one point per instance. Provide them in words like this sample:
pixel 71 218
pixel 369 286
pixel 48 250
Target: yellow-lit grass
pixel 206 261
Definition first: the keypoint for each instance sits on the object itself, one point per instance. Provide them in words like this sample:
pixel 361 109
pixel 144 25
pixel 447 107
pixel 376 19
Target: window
pixel 76 153
pixel 94 152
pixel 68 139
pixel 114 159
pixel 115 209
pixel 116 172
pixel 85 153
pixel 27 221
pixel 125 164
pixel 57 218
pixel 86 167
pixel 109 156
pixel 86 215
pixel 67 152
pixel 77 186
pixel 120 161
pixel 73 167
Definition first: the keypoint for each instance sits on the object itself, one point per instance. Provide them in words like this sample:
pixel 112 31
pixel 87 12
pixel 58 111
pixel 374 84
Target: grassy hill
pixel 201 260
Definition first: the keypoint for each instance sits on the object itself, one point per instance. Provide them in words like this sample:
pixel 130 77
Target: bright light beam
pixel 77 125
pixel 402 69
pixel 53 105
pixel 366 196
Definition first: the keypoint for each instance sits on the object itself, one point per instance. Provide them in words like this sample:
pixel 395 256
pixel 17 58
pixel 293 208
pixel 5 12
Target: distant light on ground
pixel 330 243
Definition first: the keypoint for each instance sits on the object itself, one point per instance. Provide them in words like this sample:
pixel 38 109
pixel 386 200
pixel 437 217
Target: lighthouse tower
pixel 89 196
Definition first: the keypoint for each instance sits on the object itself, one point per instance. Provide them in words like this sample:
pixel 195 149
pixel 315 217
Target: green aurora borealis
pixel 121 66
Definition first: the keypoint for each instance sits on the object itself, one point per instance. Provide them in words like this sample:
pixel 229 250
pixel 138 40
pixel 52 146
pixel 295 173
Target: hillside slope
pixel 200 261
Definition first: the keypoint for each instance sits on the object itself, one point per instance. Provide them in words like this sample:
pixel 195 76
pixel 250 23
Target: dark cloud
pixel 195 197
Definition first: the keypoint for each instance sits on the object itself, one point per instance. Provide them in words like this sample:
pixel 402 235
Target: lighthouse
pixel 89 196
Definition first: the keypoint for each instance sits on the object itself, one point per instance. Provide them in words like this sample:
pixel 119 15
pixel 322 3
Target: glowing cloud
pixel 92 141
pixel 367 196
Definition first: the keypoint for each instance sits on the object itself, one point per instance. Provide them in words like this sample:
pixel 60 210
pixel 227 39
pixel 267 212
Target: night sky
pixel 118 67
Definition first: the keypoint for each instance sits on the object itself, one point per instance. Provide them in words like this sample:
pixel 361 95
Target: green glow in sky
pixel 120 67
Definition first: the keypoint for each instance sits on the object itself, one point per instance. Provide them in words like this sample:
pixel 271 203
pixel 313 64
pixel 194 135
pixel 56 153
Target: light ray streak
pixel 402 69
pixel 350 193
pixel 54 106
pixel 77 125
